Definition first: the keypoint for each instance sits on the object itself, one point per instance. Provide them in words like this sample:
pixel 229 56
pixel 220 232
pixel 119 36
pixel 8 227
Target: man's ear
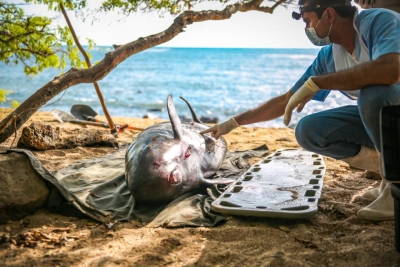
pixel 330 14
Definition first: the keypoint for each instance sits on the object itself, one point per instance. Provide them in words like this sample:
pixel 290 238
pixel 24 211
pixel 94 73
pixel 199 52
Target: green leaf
pixel 14 104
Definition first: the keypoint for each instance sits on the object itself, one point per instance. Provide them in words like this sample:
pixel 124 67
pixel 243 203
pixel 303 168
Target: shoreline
pixel 274 138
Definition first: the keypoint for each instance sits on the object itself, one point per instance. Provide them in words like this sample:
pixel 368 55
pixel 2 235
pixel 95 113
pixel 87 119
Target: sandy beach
pixel 333 237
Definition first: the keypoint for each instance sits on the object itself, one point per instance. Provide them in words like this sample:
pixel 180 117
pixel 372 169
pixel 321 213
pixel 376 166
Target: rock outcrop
pixel 22 190
pixel 43 137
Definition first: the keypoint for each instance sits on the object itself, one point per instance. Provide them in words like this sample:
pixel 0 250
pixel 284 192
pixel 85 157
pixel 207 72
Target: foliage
pixel 55 4
pixel 34 42
pixel 3 94
pixel 127 6
pixel 3 98
pixel 130 6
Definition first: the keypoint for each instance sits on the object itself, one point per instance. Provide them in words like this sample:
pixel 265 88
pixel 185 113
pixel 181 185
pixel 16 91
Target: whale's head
pixel 161 169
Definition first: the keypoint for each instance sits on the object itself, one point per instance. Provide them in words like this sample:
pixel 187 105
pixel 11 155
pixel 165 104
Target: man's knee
pixel 302 132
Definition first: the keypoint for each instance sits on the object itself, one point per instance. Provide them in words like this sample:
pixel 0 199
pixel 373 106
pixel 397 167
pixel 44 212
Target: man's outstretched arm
pixel 269 110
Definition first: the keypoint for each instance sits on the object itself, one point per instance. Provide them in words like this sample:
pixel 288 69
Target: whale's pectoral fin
pixel 219 181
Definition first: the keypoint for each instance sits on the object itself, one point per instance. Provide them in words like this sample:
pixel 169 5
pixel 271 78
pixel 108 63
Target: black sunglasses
pixel 311 8
pixel 304 9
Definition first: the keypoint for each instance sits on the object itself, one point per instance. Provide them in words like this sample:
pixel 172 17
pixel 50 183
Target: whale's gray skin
pixel 171 158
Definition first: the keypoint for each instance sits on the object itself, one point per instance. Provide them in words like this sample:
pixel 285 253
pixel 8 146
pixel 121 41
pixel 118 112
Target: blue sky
pixel 243 30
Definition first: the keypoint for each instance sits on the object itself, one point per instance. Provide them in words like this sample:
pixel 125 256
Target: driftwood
pixel 18 117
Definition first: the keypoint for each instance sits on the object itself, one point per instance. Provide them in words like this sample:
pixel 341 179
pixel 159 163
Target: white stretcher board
pixel 285 184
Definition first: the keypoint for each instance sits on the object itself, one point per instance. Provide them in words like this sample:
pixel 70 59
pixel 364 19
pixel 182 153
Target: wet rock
pixel 44 137
pixel 185 118
pixel 149 116
pixel 155 110
pixel 209 119
pixel 22 190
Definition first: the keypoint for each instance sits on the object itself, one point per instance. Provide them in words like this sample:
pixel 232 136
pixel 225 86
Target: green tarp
pixel 96 188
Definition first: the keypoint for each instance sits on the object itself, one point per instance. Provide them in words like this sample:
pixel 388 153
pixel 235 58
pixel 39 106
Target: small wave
pixel 283 56
pixel 157 50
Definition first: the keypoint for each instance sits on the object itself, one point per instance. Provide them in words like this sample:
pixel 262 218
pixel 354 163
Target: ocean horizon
pixel 218 82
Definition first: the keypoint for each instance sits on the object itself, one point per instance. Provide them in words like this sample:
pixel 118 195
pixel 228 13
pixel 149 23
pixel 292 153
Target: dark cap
pixel 315 5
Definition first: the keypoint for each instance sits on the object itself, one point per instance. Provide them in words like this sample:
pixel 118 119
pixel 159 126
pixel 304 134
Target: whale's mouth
pixel 175 177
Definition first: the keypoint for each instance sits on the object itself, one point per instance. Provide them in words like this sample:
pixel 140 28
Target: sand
pixel 333 237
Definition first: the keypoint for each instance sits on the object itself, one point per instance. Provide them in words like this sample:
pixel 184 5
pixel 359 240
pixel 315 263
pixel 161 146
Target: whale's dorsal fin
pixel 173 117
pixel 194 116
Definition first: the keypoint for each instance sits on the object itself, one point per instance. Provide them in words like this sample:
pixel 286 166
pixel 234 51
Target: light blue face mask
pixel 314 38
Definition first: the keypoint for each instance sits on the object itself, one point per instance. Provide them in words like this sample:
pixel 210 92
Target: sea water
pixel 218 82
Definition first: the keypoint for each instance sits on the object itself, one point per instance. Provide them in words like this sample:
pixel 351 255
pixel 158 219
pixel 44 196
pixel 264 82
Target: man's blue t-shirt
pixel 380 32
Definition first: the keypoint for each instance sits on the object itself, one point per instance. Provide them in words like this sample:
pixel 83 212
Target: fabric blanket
pixel 96 188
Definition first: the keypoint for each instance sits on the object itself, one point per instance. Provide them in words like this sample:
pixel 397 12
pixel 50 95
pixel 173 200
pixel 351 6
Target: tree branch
pixel 6 33
pixel 16 37
pixel 111 60
pixel 23 62
pixel 39 53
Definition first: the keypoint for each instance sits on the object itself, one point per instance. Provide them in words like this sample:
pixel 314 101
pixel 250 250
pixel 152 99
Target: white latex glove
pixel 300 99
pixel 222 128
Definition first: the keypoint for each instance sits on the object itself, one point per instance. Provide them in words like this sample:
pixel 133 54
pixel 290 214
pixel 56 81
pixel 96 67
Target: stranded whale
pixel 172 158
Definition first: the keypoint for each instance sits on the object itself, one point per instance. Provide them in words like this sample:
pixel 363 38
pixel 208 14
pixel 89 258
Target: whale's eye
pixel 187 153
pixel 175 177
